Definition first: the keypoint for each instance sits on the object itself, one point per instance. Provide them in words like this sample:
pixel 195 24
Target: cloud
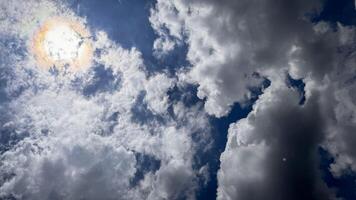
pixel 164 20
pixel 73 145
pixel 226 53
pixel 57 168
pixel 273 153
pixel 162 46
pixel 66 142
pixel 156 96
pixel 232 46
pixel 33 13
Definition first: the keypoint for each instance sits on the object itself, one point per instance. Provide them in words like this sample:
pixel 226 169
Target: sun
pixel 63 44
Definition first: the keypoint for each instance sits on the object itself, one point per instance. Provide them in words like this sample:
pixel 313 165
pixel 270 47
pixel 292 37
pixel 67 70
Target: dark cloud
pixel 279 139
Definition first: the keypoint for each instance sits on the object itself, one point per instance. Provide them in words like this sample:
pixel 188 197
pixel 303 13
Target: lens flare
pixel 62 43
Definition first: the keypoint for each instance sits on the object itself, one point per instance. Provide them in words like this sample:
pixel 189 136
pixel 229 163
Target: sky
pixel 177 99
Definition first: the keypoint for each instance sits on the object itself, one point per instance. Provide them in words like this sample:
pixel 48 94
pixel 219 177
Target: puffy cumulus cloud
pixel 156 96
pixel 232 46
pixel 69 142
pixel 130 140
pixel 127 68
pixel 167 26
pixel 169 189
pixel 338 92
pixel 162 46
pixel 60 168
pixel 283 137
pixel 231 42
pixel 273 153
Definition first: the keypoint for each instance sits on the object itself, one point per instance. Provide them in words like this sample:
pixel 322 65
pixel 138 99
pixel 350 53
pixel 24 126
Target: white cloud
pixel 23 18
pixel 78 166
pixel 90 142
pixel 229 43
pixel 80 146
pixel 156 97
pixel 163 46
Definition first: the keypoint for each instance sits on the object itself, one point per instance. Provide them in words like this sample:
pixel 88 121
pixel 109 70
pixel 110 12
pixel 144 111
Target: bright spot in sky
pixel 62 43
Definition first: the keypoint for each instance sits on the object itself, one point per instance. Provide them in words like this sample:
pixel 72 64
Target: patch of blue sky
pixel 299 85
pixel 127 23
pixel 337 11
pixel 345 185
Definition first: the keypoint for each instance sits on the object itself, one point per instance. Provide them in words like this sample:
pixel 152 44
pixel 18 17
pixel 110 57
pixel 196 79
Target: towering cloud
pixel 273 153
pixel 233 45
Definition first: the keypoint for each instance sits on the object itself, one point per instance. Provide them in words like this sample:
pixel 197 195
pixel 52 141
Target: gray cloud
pixel 228 42
pixel 273 153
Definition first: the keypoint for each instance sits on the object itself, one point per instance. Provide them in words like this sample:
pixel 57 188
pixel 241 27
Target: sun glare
pixel 62 43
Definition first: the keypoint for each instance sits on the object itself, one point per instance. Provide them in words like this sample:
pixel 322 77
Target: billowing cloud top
pixel 233 47
pixel 118 130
